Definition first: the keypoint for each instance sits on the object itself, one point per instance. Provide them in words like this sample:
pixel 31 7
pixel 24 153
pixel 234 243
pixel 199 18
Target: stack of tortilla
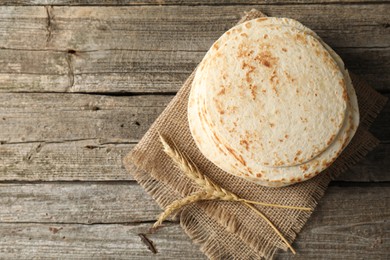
pixel 272 103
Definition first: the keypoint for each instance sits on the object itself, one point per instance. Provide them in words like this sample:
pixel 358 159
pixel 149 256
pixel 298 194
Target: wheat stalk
pixel 211 191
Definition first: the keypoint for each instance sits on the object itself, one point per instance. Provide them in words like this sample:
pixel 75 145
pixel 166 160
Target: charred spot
pixel 253 89
pixel 299 152
pixel 271 124
pixel 258 175
pixel 245 144
pixel 216 46
pixel 266 59
pixel 303 167
pixel 248 25
pixel 284 49
pixel 286 136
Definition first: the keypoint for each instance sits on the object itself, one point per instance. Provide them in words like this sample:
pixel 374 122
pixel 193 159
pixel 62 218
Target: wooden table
pixel 81 82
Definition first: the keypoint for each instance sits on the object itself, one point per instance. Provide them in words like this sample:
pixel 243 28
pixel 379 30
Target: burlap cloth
pixel 229 230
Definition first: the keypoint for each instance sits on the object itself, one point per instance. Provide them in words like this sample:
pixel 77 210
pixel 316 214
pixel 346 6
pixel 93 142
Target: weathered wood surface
pixel 84 137
pixel 350 223
pixel 63 190
pixel 119 241
pixel 87 49
pixel 178 2
pixel 52 117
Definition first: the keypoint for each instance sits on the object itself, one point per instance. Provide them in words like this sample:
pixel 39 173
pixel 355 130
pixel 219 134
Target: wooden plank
pixel 58 117
pixel 176 2
pixel 84 137
pixel 349 223
pixel 191 28
pixel 124 71
pixel 89 160
pixel 345 227
pixel 25 241
pixel 88 49
pixel 76 202
pixel 86 160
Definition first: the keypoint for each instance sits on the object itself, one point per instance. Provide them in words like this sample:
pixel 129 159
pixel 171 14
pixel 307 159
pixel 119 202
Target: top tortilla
pixel 216 151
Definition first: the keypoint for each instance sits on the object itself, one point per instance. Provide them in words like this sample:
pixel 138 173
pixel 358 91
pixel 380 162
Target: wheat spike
pixel 178 204
pixel 211 191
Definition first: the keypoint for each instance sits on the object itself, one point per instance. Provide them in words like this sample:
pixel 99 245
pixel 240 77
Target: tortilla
pixel 225 151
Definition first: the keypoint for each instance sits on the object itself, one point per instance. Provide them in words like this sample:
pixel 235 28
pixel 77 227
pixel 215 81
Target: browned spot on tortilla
pixel 250 69
pixel 292 179
pixel 244 35
pixel 301 38
pixel 297 91
pixel 216 138
pixel 303 119
pixel 281 140
pixel 286 136
pixel 253 89
pixel 238 157
pixel 248 25
pixel 266 163
pixel 332 119
pixel 219 106
pixel 261 19
pixel 244 51
pixel 284 49
pixel 258 175
pixel 245 143
pixel 303 167
pixel 216 46
pixel 249 170
pixel 263 90
pixel 228 32
pixel 271 124
pixel 222 91
pixel 266 59
pixel 299 152
pixel 345 94
pixel 300 57
pixel 330 139
pixel 235 123
pixel 318 53
pixel 307 176
pixel 295 159
pixel 288 76
pixel 325 163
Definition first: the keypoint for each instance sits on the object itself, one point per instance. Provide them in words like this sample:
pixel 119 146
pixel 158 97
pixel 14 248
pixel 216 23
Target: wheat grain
pixel 211 190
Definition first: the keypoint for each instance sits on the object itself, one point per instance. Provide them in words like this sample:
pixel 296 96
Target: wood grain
pixel 51 137
pixel 25 241
pixel 176 2
pixel 76 202
pixel 86 49
pixel 89 160
pixel 122 71
pixel 349 223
